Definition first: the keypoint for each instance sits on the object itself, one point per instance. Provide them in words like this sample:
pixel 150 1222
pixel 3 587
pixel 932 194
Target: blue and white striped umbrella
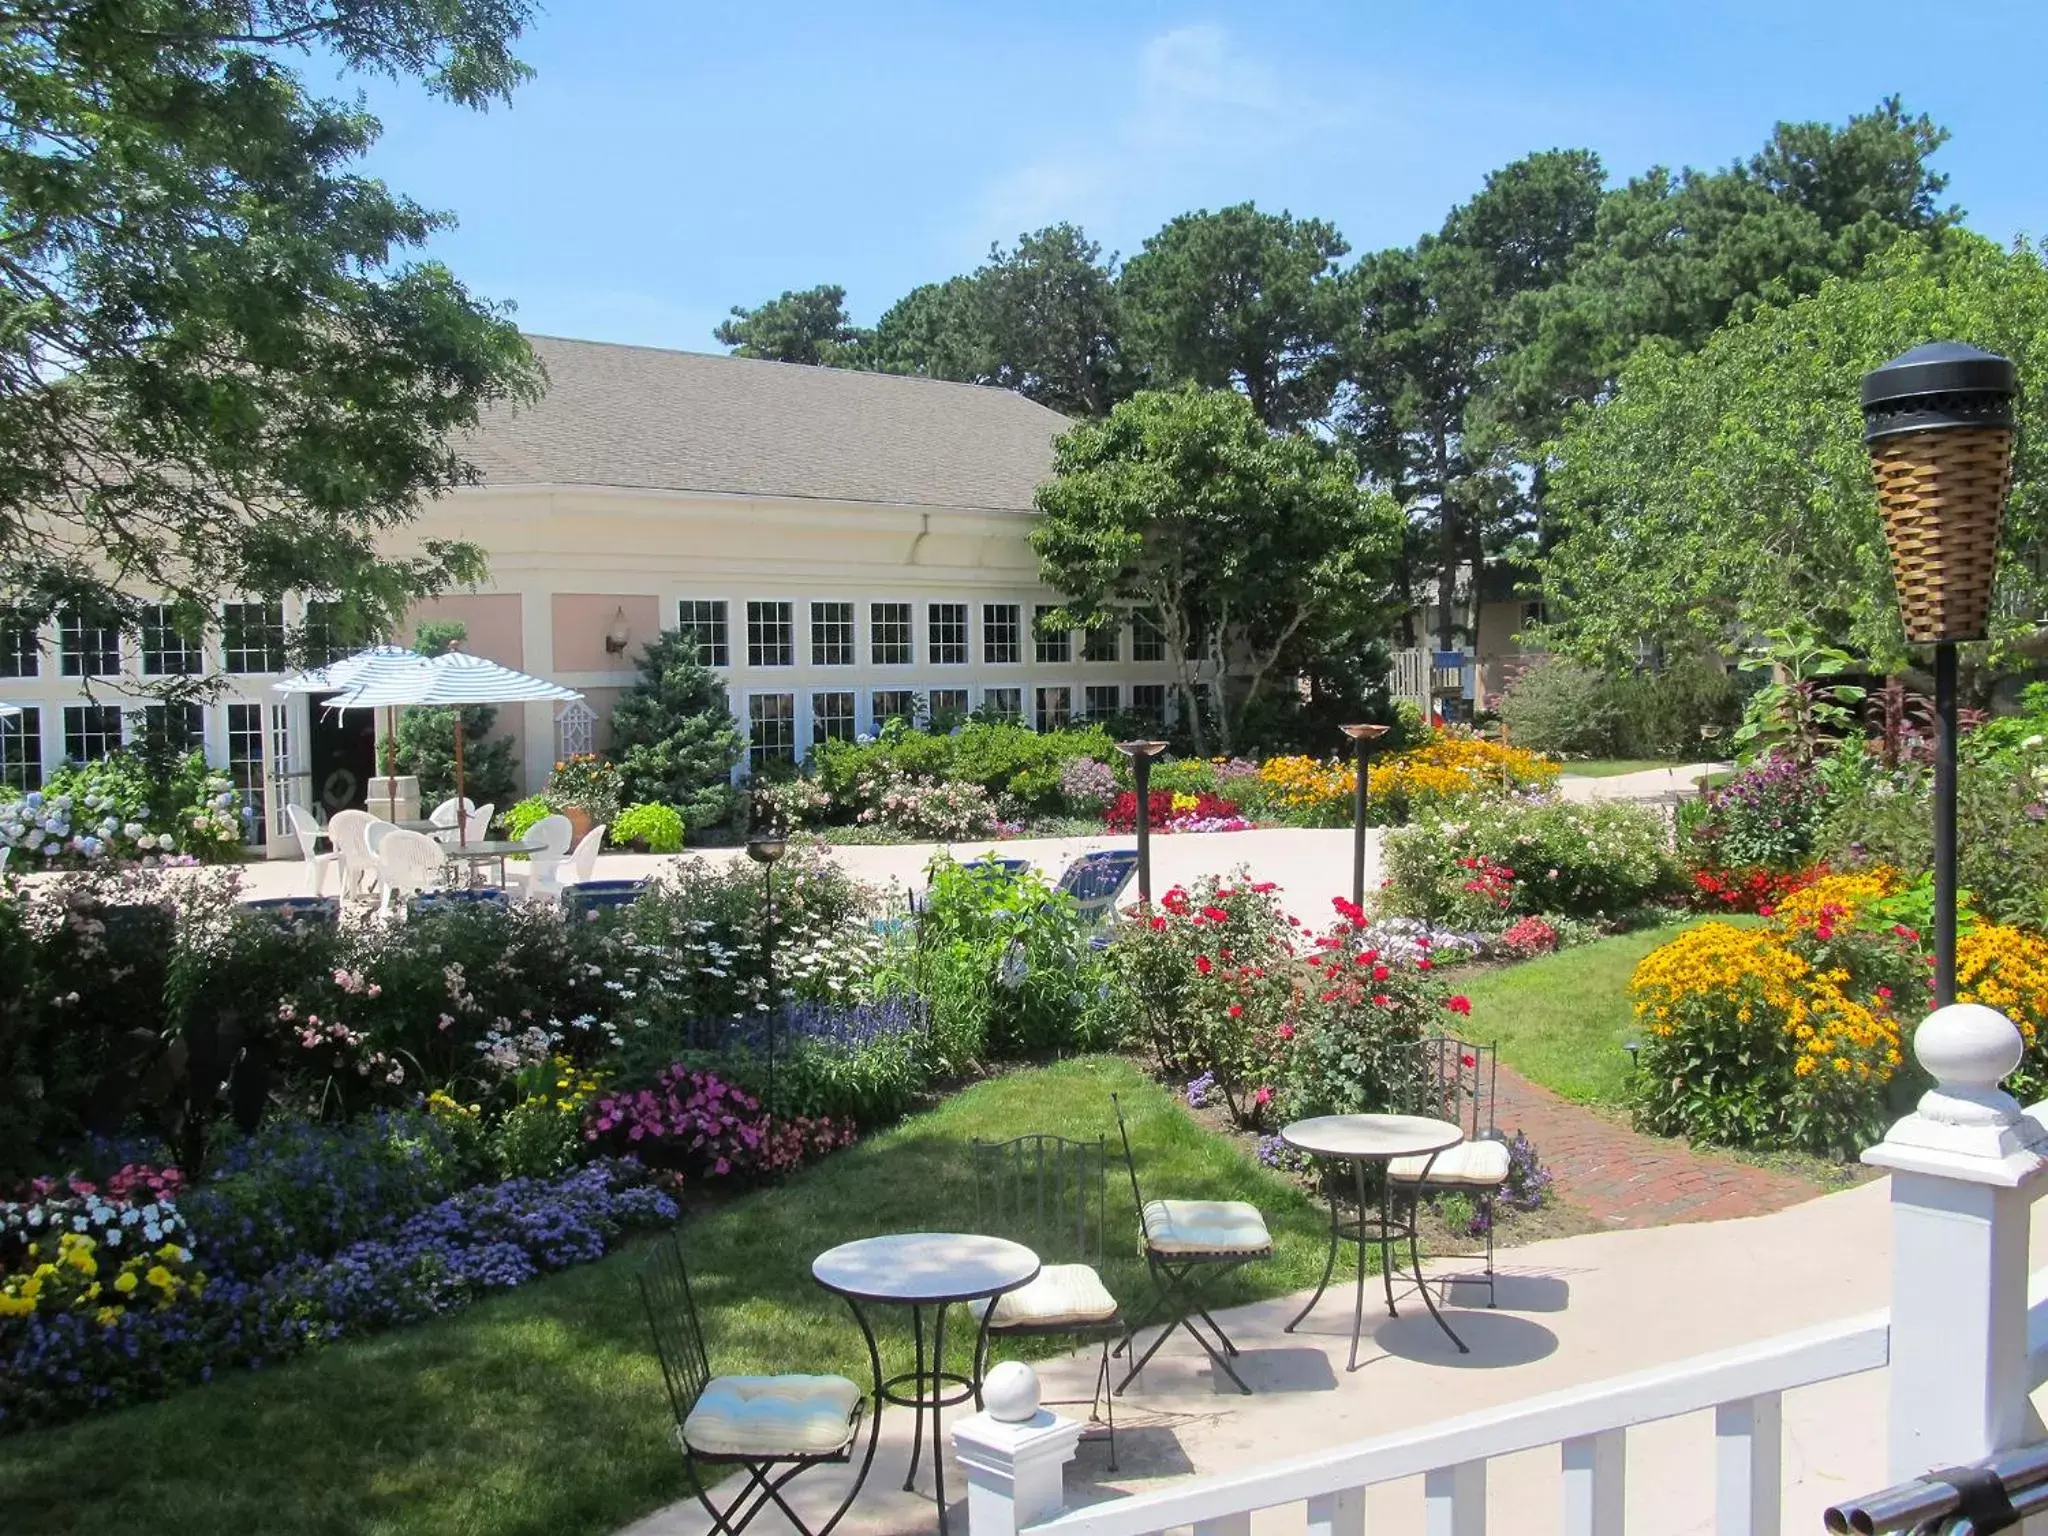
pixel 379 661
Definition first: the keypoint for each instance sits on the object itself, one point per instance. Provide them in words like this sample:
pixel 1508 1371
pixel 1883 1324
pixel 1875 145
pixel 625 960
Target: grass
pixel 542 1411
pixel 1563 1020
pixel 1612 767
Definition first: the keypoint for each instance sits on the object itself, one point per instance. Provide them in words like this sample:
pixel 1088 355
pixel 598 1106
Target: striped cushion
pixel 1205 1226
pixel 1062 1294
pixel 1473 1164
pixel 772 1416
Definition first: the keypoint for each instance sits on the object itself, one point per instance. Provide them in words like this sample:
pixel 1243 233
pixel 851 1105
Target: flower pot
pixel 580 823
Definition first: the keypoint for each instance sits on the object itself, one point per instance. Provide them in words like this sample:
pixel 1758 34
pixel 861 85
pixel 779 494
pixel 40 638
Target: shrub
pixel 932 809
pixel 588 781
pixel 527 814
pixel 657 828
pixel 1492 863
pixel 1562 709
pixel 1527 937
pixel 1769 816
pixel 1000 758
pixel 1086 785
pixel 1679 711
pixel 674 737
pixel 125 805
pixel 426 748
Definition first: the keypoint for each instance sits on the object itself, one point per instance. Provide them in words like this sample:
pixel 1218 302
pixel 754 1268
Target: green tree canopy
pixel 1243 543
pixel 1728 492
pixel 809 326
pixel 217 374
pixel 673 734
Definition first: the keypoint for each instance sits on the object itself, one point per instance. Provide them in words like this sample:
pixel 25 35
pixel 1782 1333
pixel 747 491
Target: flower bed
pixel 1175 810
pixel 1450 768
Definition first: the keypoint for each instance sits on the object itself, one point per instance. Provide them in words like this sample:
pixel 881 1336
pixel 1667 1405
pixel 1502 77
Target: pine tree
pixel 674 736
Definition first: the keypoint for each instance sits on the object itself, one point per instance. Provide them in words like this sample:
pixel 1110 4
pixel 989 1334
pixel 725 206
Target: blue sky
pixel 671 159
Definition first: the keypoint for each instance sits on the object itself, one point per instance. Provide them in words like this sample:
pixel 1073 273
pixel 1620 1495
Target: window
pixel 87 650
pixel 326 636
pixel 1003 703
pixel 771 721
pixel 894 704
pixel 1055 646
pixel 1148 703
pixel 949 634
pixel 166 652
pixel 1148 639
pixel 832 712
pixel 771 636
pixel 252 637
pixel 1055 708
pixel 701 622
pixel 831 634
pixel 180 727
pixel 91 731
pixel 999 641
pixel 20 656
pixel 245 766
pixel 890 634
pixel 948 706
pixel 21 750
pixel 1102 700
pixel 1100 644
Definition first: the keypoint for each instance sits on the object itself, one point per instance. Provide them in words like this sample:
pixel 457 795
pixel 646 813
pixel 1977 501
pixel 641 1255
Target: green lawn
pixel 1563 1020
pixel 1612 767
pixel 542 1411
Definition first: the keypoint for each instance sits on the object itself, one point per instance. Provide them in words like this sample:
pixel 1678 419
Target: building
pixel 844 547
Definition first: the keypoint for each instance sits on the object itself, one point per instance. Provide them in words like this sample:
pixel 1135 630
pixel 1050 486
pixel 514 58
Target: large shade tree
pixel 1242 544
pixel 797 326
pixel 220 374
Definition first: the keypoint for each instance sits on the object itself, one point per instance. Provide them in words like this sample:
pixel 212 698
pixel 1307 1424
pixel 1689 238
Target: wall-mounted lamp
pixel 619 636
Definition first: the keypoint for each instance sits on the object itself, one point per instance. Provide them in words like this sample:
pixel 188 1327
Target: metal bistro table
pixel 475 854
pixel 1358 1140
pixel 919 1270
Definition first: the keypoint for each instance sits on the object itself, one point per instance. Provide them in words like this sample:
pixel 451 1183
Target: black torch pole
pixel 1944 823
pixel 1358 793
pixel 1141 774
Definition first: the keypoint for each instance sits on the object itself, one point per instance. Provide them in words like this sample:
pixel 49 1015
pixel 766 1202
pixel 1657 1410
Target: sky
pixel 671 159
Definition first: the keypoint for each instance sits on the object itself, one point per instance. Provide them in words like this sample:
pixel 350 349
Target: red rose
pixel 1381 1000
pixel 1460 1004
pixel 1425 965
pixel 1203 964
pixel 1216 914
pixel 1158 925
pixel 1380 973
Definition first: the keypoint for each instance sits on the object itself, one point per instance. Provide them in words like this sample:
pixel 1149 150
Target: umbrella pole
pixel 461 800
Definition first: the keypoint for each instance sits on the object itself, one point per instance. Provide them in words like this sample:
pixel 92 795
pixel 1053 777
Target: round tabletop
pixel 1371 1136
pixel 915 1267
pixel 484 850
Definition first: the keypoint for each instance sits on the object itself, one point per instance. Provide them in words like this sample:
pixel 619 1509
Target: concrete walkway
pixel 1572 1311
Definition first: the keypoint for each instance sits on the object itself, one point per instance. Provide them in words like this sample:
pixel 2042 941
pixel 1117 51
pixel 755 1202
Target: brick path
pixel 1624 1179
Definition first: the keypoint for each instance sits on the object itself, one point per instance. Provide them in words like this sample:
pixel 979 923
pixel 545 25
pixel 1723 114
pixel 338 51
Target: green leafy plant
pixel 588 781
pixel 1798 709
pixel 1488 865
pixel 657 828
pixel 674 737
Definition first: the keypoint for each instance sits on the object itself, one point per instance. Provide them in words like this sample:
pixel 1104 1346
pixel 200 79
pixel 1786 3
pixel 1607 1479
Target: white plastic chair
pixel 575 869
pixel 549 840
pixel 408 863
pixel 309 833
pixel 477 830
pixel 349 832
pixel 443 815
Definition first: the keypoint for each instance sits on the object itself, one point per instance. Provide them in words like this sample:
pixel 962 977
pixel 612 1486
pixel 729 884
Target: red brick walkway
pixel 1625 1179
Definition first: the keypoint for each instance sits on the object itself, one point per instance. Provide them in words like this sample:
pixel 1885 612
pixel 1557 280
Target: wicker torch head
pixel 1938 422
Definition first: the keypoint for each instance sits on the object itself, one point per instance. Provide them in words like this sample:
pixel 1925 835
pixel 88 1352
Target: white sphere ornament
pixel 1967 1045
pixel 1010 1393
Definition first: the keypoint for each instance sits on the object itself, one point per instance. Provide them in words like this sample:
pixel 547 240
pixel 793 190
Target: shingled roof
pixel 646 418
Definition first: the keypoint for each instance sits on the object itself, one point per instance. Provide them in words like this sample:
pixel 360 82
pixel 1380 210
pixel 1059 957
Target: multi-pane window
pixel 948 706
pixel 771 725
pixel 1003 703
pixel 701 622
pixel 326 638
pixel 1148 638
pixel 831 634
pixel 1102 700
pixel 1000 643
pixel 832 716
pixel 949 634
pixel 179 727
pixel 889 634
pixel 1055 646
pixel 86 649
pixel 771 635
pixel 893 704
pixel 1055 708
pixel 91 731
pixel 252 637
pixel 21 750
pixel 1099 644
pixel 20 656
pixel 165 651
pixel 1148 703
pixel 245 766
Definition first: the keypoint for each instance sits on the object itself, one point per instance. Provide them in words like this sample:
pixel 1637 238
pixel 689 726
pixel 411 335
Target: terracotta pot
pixel 580 823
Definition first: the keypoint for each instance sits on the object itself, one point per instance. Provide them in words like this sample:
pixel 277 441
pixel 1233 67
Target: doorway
pixel 343 755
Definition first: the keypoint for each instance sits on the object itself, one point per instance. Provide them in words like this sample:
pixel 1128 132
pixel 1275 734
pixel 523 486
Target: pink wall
pixel 493 619
pixel 581 621
pixel 601 701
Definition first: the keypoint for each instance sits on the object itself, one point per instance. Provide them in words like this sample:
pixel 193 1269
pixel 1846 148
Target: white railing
pixel 1408 678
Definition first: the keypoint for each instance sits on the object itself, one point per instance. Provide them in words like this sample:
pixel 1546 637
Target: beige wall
pixel 583 619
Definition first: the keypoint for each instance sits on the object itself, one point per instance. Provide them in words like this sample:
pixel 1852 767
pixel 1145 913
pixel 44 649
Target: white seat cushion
pixel 1062 1294
pixel 1474 1164
pixel 772 1416
pixel 1205 1226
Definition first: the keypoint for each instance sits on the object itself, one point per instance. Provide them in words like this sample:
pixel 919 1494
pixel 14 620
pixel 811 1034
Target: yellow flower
pixel 125 1282
pixel 160 1277
pixel 16 1305
pixel 107 1316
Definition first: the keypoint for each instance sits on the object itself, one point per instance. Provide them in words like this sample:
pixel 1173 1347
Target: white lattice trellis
pixel 575 730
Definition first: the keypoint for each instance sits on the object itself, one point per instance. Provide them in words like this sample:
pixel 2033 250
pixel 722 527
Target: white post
pixel 1966 1166
pixel 1749 1462
pixel 1015 1454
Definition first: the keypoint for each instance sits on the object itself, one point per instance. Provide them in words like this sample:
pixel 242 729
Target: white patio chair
pixel 408 863
pixel 575 869
pixel 477 829
pixel 549 840
pixel 443 815
pixel 349 832
pixel 309 833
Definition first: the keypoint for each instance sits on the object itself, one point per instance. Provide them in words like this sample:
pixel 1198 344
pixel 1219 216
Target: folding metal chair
pixel 1188 1244
pixel 1454 1080
pixel 775 1427
pixel 1051 1194
pixel 1095 880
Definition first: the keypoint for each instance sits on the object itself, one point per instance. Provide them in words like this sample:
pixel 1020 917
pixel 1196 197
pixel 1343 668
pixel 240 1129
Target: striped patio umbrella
pixel 379 661
pixel 453 681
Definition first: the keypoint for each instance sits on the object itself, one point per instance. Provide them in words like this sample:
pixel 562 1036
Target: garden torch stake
pixel 1363 736
pixel 1141 771
pixel 1944 823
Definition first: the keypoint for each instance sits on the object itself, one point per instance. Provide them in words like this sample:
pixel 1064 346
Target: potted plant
pixel 585 788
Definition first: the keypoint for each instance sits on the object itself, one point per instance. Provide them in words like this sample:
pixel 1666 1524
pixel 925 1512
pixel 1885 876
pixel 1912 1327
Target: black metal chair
pixel 774 1427
pixel 1051 1193
pixel 1189 1243
pixel 1450 1079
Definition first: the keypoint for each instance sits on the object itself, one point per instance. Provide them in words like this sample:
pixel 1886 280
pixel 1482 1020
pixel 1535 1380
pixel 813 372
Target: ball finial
pixel 1967 1045
pixel 1010 1392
